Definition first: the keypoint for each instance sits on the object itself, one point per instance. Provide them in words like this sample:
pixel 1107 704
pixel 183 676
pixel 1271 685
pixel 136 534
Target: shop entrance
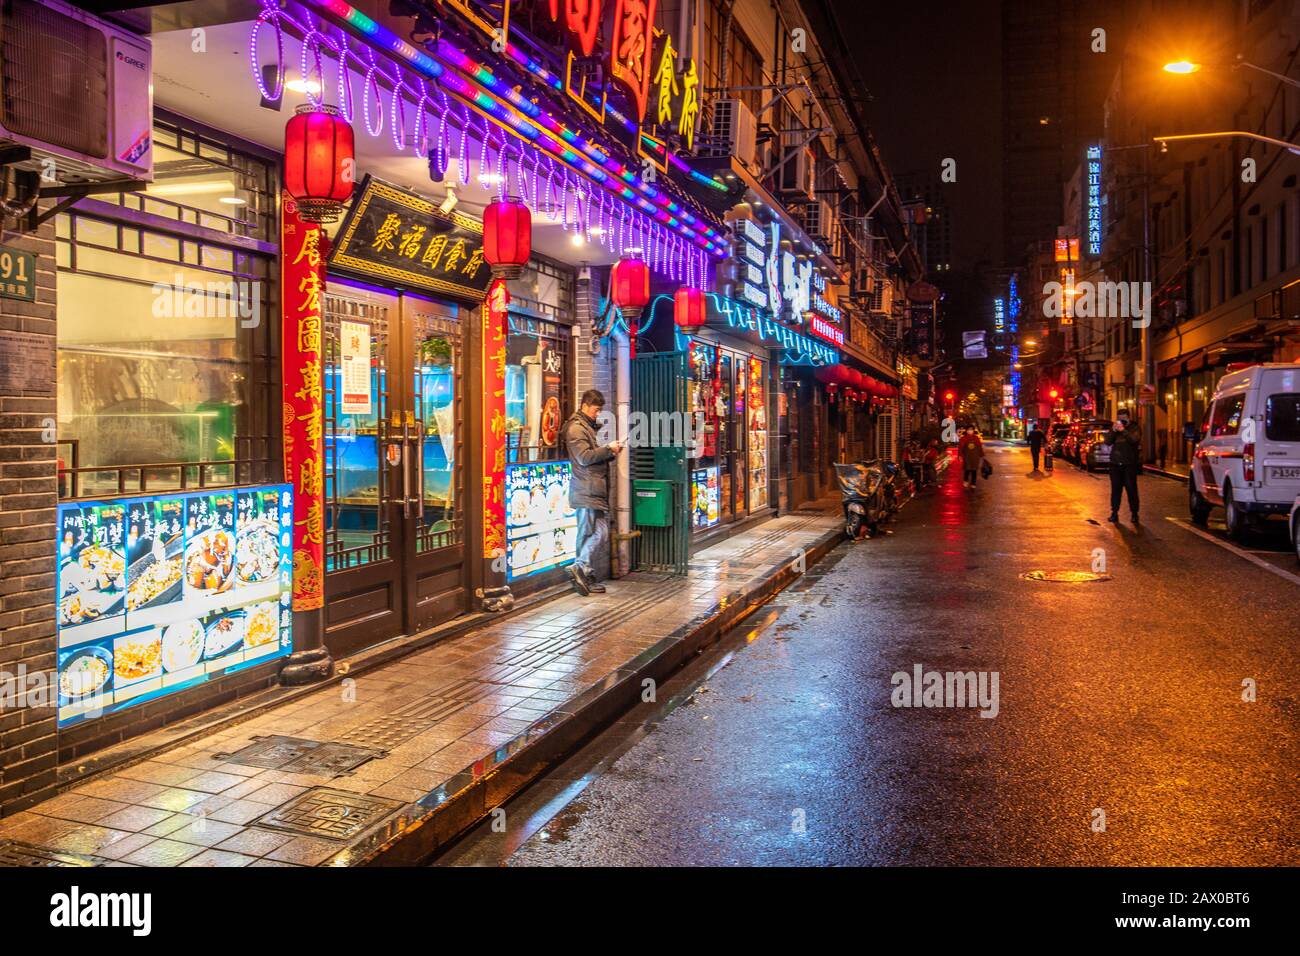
pixel 394 465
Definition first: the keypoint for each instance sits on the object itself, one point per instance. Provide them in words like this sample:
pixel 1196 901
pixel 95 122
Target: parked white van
pixel 1247 459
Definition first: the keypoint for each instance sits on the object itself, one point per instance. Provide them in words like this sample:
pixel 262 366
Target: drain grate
pixel 331 814
pixel 1065 577
pixel 299 755
pixel 16 853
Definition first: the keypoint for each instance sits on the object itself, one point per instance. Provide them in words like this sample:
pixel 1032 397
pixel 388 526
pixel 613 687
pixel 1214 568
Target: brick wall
pixel 28 498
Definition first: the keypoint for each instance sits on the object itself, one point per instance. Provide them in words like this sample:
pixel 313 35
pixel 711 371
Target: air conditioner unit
pixel 798 174
pixel 816 221
pixel 76 92
pixel 735 131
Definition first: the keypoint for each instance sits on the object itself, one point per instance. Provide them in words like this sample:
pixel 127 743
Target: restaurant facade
pixel 292 385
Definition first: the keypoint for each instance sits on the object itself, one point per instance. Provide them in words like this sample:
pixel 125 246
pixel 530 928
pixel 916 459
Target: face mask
pixel 1123 423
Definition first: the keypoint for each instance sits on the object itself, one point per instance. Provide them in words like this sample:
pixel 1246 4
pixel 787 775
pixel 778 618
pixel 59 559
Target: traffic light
pixel 949 397
pixel 1054 394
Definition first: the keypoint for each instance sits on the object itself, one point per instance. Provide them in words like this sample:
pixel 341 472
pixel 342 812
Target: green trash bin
pixel 652 503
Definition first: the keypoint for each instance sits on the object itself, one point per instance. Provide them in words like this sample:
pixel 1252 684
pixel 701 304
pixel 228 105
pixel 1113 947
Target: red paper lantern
pixel 688 307
pixel 319 162
pixel 507 234
pixel 630 283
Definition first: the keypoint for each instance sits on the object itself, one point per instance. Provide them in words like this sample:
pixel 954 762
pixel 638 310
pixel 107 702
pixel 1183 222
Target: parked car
pixel 1056 436
pixel 1094 453
pixel 1077 433
pixel 1247 456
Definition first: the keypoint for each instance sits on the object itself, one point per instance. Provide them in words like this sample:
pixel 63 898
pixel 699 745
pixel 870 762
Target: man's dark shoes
pixel 1135 518
pixel 1114 518
pixel 596 588
pixel 579 580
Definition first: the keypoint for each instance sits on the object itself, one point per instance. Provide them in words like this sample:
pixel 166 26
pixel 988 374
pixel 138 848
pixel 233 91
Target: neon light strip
pixel 385 39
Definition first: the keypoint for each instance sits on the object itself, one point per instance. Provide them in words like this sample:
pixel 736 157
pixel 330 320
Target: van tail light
pixel 1248 461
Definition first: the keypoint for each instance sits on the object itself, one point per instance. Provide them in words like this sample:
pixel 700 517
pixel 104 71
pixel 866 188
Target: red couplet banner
pixel 302 284
pixel 494 418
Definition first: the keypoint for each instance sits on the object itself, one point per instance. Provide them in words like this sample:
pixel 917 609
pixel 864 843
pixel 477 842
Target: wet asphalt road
pixel 1121 697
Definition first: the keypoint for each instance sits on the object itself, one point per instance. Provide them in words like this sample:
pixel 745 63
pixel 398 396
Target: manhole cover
pixel 1065 577
pixel 14 853
pixel 332 814
pixel 298 755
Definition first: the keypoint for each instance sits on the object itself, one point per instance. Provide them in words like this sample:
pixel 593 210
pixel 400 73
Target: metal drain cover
pixel 1065 577
pixel 331 814
pixel 16 853
pixel 299 755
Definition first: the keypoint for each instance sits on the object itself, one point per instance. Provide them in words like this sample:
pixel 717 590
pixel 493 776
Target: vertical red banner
pixel 302 271
pixel 494 418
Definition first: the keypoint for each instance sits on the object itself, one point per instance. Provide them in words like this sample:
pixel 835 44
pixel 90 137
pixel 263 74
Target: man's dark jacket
pixel 590 486
pixel 1125 444
pixel 1036 439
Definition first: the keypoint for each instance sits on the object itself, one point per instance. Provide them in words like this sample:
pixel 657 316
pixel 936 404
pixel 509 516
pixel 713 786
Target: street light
pixel 1184 67
pixel 1280 143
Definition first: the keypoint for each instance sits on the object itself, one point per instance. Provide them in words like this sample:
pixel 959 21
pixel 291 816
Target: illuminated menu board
pixel 705 498
pixel 541 528
pixel 157 594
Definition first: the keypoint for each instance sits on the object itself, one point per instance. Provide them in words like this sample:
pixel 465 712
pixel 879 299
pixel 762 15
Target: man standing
pixel 1036 439
pixel 589 490
pixel 1125 441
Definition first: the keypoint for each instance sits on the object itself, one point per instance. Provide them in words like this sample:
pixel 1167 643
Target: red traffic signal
pixel 949 396
pixel 1054 394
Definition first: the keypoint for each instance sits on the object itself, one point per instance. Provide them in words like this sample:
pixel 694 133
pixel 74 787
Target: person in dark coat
pixel 971 452
pixel 589 489
pixel 1036 438
pixel 1125 441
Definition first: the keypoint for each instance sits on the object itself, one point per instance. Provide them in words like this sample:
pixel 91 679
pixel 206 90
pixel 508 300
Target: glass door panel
pixel 357 484
pixel 437 413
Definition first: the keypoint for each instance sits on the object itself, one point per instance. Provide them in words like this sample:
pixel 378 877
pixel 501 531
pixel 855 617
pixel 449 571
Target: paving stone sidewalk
pixel 347 774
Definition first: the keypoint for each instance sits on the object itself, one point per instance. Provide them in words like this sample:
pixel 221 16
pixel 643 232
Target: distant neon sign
pixel 1094 200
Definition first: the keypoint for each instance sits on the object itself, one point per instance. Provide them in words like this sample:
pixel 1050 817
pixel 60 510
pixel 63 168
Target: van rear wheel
pixel 1234 517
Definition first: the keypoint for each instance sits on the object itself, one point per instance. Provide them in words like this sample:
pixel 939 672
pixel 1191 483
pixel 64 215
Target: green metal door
pixel 661 399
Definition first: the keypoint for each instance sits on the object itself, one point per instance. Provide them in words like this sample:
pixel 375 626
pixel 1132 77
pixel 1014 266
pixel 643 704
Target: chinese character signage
pixel 632 48
pixel 1092 192
pixel 405 241
pixel 157 594
pixel 354 368
pixel 302 269
pixel 17 274
pixel 495 310
pixel 541 528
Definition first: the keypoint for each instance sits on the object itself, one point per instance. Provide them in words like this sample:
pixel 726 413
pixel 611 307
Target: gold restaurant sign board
pixel 403 241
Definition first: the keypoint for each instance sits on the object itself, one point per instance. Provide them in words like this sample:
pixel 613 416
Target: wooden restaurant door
pixel 394 472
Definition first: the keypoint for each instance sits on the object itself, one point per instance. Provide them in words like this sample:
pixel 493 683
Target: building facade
pixel 264 410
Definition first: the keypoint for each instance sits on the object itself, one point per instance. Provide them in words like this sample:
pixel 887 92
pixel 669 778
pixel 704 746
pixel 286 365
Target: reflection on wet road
pixel 1121 735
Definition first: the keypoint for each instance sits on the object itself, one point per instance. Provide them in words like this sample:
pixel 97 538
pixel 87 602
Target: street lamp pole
pixel 1148 410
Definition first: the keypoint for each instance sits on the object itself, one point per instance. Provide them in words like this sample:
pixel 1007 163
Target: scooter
pixel 865 506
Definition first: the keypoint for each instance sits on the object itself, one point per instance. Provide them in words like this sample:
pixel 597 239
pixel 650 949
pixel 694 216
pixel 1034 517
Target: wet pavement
pixel 357 770
pixel 1121 734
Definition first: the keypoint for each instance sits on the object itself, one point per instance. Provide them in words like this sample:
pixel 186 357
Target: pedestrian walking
pixel 1036 440
pixel 1125 440
pixel 930 463
pixel 971 452
pixel 589 491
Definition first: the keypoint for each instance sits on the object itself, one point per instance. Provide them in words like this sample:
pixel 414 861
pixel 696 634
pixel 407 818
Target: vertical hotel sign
pixel 1093 225
pixel 301 283
pixel 494 418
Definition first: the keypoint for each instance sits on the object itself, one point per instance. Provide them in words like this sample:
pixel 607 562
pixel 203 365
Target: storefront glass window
pixel 153 360
pixel 539 390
